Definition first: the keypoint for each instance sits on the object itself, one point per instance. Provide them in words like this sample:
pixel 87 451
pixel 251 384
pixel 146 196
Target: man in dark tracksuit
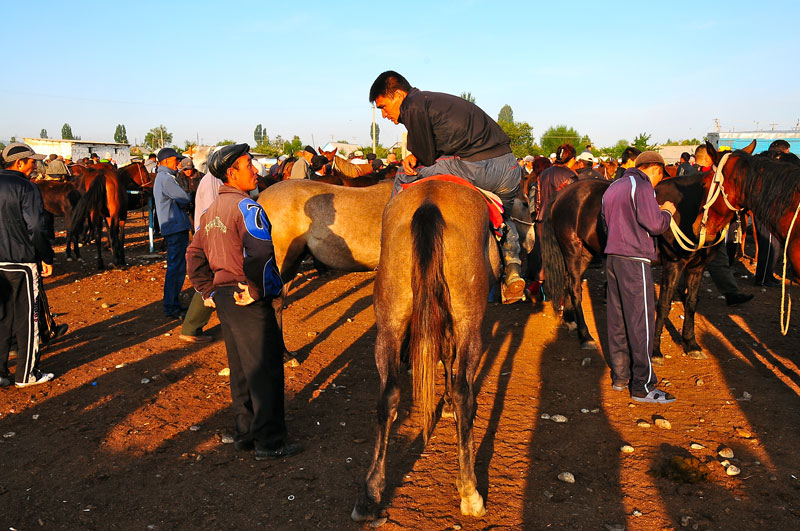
pixel 232 264
pixel 23 243
pixel 450 135
pixel 633 218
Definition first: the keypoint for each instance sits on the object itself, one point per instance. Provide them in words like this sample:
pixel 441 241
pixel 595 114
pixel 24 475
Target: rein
pixel 715 189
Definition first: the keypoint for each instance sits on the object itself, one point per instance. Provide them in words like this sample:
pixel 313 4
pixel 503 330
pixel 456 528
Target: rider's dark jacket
pixel 23 230
pixel 440 124
pixel 632 216
pixel 233 244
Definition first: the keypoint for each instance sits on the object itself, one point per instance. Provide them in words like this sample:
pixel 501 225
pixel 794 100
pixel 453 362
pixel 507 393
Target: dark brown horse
pixel 438 259
pixel 572 234
pixel 60 198
pixel 103 197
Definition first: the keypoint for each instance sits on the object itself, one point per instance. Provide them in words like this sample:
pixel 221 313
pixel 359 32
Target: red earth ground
pixel 98 448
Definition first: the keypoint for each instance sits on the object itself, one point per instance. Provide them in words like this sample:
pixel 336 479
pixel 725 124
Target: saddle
pixel 492 201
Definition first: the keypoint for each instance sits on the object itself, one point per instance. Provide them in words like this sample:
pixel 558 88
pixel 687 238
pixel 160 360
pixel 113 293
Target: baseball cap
pixel 649 157
pixel 18 150
pixel 528 158
pixel 585 156
pixel 358 153
pixel 186 164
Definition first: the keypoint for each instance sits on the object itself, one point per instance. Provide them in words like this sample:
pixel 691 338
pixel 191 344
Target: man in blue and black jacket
pixel 633 218
pixel 23 243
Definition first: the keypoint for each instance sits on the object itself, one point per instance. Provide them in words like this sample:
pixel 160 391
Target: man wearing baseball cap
pixel 232 264
pixel 23 243
pixel 633 218
pixel 171 202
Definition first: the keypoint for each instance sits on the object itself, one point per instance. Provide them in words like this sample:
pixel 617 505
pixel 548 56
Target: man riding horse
pixel 450 135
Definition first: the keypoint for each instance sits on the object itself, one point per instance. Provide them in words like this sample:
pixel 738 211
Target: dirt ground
pixel 128 435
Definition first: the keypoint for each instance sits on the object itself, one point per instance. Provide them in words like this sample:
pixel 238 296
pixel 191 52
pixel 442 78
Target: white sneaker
pixel 38 377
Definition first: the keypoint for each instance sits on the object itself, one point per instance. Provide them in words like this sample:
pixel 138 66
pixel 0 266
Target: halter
pixel 715 189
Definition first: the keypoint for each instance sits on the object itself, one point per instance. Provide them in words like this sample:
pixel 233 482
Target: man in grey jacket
pixel 633 219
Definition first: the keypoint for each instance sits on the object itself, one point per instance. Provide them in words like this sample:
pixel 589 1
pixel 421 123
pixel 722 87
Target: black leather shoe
pixel 243 445
pixel 770 282
pixel 732 299
pixel 284 450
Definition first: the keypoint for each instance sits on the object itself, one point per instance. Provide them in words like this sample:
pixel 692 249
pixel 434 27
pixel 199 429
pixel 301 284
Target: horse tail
pixel 431 331
pixel 555 270
pixel 91 201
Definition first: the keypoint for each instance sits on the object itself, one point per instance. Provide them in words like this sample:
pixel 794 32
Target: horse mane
pixel 770 186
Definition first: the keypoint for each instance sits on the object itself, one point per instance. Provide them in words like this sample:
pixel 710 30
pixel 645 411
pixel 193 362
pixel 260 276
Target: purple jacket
pixel 632 216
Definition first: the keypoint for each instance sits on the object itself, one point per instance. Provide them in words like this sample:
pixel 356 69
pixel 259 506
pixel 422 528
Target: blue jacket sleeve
pixel 260 270
pixel 174 191
pixel 648 213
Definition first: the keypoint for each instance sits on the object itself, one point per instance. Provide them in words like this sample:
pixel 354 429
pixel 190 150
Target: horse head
pixel 733 172
pixel 328 154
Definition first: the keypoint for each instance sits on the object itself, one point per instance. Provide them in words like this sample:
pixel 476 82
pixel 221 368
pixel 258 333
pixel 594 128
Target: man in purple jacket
pixel 633 218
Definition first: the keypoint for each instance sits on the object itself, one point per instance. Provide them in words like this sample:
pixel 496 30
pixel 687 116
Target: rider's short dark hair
pixel 387 83
pixel 630 153
pixel 779 144
pixel 685 156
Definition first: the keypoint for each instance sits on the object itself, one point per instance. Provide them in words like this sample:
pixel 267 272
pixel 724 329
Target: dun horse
pixel 438 259
pixel 572 234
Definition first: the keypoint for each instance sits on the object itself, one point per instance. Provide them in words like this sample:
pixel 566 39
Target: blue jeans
pixel 176 270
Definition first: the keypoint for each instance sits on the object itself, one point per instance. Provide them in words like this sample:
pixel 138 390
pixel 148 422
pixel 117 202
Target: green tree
pixel 377 133
pixel 66 132
pixel 120 134
pixel 615 151
pixel 189 144
pixel 293 146
pixel 2 146
pixel 258 134
pixel 468 96
pixel 641 142
pixel 506 114
pixel 225 142
pixel 157 137
pixel 521 135
pixel 557 135
pixel 43 133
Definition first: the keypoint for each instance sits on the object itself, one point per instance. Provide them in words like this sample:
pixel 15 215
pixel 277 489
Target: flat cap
pixel 167 153
pixel 18 150
pixel 649 157
pixel 224 157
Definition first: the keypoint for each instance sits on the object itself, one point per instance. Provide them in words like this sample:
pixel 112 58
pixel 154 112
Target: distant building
pixel 672 154
pixel 77 149
pixel 763 139
pixel 341 148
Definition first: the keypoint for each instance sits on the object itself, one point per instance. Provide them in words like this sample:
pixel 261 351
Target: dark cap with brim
pixel 649 157
pixel 224 157
pixel 18 150
pixel 167 153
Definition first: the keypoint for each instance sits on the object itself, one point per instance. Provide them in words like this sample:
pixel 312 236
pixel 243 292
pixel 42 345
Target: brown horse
pixel 138 184
pixel 438 259
pixel 608 168
pixel 344 168
pixel 103 197
pixel 60 198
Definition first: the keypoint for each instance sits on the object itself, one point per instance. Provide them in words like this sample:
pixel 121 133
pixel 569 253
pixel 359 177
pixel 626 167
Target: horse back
pixel 575 213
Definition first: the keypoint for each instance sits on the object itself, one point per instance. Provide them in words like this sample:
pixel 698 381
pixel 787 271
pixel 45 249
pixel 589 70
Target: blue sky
pixel 214 70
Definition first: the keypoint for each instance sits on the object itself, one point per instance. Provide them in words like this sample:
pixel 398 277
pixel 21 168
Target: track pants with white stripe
pixel 631 320
pixel 19 317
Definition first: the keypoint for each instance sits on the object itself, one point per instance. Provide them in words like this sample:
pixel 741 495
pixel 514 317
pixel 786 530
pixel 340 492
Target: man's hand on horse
pixel 209 302
pixel 669 206
pixel 47 269
pixel 409 163
pixel 243 297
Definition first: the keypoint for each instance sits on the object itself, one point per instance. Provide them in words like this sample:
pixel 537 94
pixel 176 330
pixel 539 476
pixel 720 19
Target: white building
pixel 77 149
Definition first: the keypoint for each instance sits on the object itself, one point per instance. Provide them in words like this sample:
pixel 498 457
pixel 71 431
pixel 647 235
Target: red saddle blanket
pixel 492 201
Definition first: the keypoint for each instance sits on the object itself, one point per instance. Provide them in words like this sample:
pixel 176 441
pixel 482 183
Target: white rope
pixel 785 324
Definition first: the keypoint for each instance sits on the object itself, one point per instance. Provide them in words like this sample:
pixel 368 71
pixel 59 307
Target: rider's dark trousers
pixel 768 248
pixel 631 321
pixel 499 175
pixel 255 357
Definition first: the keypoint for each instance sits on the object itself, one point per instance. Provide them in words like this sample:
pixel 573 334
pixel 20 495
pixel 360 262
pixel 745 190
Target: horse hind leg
pixel 465 406
pixel 575 294
pixel 387 358
pixel 690 346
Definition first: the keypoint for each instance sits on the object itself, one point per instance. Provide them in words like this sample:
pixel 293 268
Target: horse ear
pixel 712 152
pixel 750 147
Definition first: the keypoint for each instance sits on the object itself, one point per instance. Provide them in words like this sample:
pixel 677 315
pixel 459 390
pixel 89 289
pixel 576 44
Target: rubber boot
pixel 513 288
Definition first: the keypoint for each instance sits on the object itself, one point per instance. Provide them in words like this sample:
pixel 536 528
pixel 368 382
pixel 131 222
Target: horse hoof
pixel 697 355
pixel 658 361
pixel 571 326
pixel 357 516
pixel 588 345
pixel 447 411
pixel 69 259
pixel 472 505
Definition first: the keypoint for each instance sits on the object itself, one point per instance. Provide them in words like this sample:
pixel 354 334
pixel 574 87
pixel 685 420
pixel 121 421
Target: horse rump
pixel 431 328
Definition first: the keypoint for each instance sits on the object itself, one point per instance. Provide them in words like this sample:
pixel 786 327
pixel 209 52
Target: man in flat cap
pixel 232 264
pixel 633 218
pixel 302 167
pixel 23 243
pixel 450 135
pixel 171 201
